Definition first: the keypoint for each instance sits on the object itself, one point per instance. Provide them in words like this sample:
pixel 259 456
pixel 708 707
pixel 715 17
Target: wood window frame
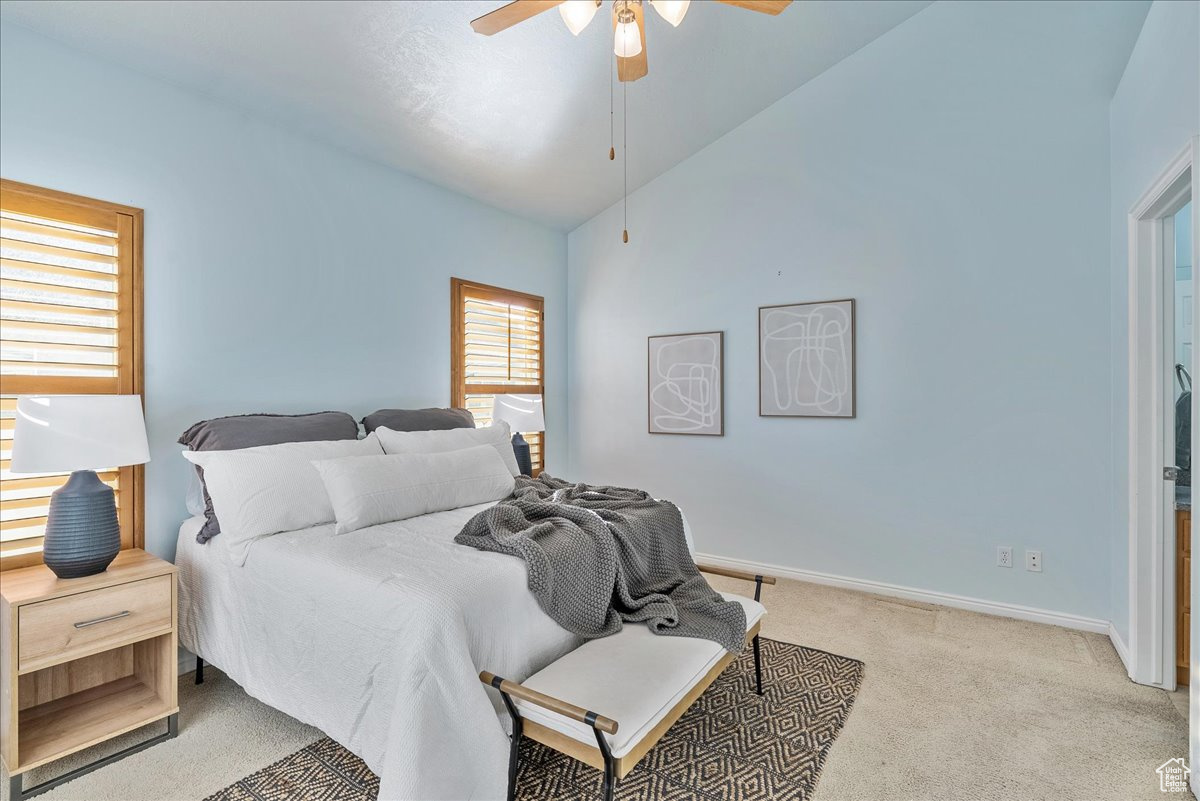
pixel 460 289
pixel 130 379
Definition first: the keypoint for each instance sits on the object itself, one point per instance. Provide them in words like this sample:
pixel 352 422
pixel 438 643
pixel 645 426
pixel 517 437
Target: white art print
pixel 806 360
pixel 685 384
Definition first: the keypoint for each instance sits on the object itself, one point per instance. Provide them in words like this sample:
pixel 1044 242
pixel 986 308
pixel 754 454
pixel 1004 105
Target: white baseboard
pixel 1017 611
pixel 1121 648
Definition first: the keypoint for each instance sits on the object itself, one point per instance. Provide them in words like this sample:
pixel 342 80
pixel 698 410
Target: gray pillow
pixel 252 430
pixel 418 419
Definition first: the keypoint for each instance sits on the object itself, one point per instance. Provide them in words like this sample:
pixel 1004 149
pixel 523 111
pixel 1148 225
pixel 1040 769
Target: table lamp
pixel 522 413
pixel 81 434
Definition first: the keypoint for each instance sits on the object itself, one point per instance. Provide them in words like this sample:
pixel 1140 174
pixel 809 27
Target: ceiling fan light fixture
pixel 672 11
pixel 578 13
pixel 627 39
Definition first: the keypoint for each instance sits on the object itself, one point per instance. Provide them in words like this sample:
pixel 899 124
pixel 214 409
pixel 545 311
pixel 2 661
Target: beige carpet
pixel 954 706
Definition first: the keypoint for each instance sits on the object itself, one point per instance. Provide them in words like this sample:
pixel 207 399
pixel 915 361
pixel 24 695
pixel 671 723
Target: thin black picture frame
pixel 853 358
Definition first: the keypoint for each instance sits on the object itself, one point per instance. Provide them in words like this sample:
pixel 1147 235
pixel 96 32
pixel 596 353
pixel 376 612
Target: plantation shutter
pixel 497 347
pixel 70 324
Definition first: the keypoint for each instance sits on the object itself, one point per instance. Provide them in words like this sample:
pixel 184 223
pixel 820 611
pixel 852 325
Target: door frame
pixel 1151 553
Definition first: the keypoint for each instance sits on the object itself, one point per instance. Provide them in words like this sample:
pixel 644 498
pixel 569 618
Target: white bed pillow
pixel 272 488
pixel 195 495
pixel 369 490
pixel 497 435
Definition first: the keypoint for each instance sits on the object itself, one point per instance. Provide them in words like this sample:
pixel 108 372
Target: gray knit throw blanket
pixel 599 556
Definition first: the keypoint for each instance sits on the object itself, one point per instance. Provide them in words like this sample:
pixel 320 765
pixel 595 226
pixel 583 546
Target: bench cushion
pixel 634 677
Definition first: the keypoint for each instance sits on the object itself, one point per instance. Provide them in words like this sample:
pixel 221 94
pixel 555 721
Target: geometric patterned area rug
pixel 731 745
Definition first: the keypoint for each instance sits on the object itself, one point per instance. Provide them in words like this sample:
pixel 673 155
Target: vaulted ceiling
pixel 519 120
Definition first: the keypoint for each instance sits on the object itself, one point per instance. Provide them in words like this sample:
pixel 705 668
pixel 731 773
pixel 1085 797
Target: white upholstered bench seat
pixel 634 676
pixel 610 700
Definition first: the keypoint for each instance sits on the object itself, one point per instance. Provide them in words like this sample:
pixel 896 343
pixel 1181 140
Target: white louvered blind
pixel 497 342
pixel 70 318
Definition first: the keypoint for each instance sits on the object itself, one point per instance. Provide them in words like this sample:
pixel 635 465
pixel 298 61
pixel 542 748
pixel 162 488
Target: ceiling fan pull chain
pixel 612 139
pixel 625 157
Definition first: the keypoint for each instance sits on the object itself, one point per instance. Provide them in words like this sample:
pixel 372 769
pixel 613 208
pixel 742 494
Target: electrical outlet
pixel 1004 556
pixel 1033 561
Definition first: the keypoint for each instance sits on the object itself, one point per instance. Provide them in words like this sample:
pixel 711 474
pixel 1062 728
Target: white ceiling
pixel 519 120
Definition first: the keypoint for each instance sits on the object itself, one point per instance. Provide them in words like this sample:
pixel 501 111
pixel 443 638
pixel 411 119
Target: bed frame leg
pixel 514 753
pixel 199 670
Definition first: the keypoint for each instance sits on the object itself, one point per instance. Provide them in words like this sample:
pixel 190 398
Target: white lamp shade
pixel 61 433
pixel 521 412
pixel 578 13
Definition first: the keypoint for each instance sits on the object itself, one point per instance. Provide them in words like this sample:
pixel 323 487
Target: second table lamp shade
pixel 522 413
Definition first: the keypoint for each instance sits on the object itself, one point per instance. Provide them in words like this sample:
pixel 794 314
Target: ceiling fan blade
pixel 509 15
pixel 771 7
pixel 630 69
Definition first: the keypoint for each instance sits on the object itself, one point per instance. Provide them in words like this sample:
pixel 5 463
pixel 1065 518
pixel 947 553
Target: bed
pixel 376 637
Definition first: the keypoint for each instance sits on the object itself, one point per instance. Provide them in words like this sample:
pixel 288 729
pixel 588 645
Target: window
pixel 496 347
pixel 70 324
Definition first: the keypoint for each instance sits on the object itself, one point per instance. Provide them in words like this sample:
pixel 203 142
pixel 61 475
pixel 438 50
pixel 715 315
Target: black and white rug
pixel 731 745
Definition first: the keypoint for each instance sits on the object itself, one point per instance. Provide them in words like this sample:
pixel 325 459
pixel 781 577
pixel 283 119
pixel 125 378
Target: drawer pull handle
pixel 84 624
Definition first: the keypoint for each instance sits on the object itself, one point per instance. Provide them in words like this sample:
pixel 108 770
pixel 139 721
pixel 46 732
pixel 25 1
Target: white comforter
pixel 377 638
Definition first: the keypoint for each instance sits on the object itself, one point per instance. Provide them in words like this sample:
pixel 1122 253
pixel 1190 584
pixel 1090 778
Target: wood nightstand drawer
pixel 77 625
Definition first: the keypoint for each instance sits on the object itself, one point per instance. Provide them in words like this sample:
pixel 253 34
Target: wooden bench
pixel 644 683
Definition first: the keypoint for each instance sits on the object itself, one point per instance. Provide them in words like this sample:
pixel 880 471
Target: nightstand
pixel 83 660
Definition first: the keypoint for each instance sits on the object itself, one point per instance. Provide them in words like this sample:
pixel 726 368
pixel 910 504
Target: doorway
pixel 1178 267
pixel 1162 361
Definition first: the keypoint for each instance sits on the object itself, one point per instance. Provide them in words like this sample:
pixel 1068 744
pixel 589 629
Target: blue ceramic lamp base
pixel 521 451
pixel 82 534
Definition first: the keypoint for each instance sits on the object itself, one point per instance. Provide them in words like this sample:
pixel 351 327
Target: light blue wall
pixel 281 275
pixel 1155 112
pixel 957 186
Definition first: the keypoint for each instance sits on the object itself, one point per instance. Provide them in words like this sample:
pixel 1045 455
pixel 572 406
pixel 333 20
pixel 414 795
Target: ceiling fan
pixel 629 26
pixel 629 42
